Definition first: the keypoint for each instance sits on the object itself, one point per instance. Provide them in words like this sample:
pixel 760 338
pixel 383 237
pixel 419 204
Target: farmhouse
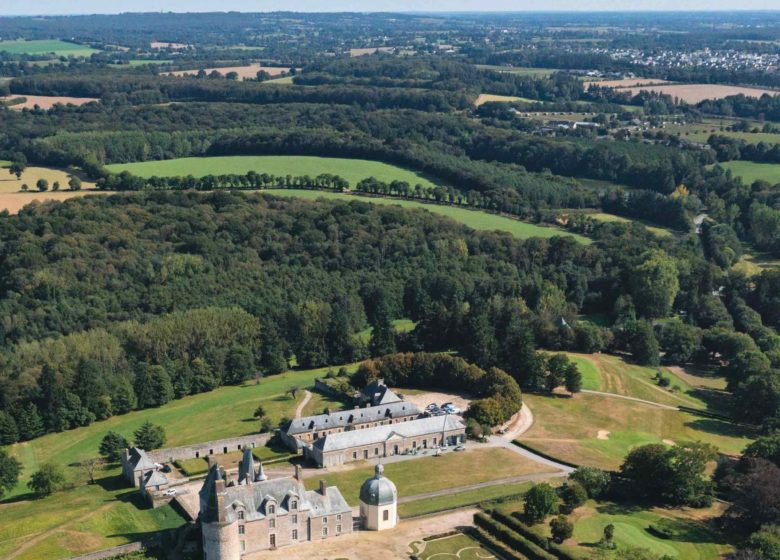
pixel 252 514
pixel 386 440
pixel 302 432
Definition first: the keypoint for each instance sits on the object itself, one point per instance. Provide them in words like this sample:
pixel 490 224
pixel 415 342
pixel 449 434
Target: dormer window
pixel 294 504
pixel 240 514
pixel 271 509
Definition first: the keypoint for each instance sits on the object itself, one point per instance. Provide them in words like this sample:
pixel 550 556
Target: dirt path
pixel 624 397
pixel 520 423
pixel 304 402
pixel 29 543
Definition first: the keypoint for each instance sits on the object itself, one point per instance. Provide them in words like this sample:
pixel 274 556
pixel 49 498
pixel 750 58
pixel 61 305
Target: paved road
pixel 498 441
pixel 624 397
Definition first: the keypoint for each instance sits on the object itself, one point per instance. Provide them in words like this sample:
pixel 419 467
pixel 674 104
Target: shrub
pixel 540 501
pixel 561 529
pixel 573 495
pixel 593 480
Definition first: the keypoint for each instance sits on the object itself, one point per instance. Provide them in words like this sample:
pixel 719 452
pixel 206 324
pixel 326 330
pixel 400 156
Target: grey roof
pixel 255 498
pixel 413 428
pixel 140 460
pixel 246 468
pixel 155 478
pixel 344 418
pixel 378 490
pixel 378 393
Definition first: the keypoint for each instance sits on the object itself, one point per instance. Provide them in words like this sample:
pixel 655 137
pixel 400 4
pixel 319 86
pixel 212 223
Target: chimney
pixel 298 476
pixel 323 488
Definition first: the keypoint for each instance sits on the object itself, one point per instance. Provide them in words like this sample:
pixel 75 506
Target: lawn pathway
pixel 304 402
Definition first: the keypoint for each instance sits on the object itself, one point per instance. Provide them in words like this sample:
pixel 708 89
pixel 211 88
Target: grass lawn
pixel 474 219
pixel 569 428
pixel 755 263
pixel 87 518
pixel 460 546
pixel 612 374
pixel 698 539
pixel 400 326
pixel 461 499
pixel 353 170
pixel 224 412
pixel 604 217
pixel 55 47
pixel 751 171
pixel 429 474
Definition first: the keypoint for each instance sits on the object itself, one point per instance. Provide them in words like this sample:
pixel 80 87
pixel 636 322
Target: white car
pixel 170 492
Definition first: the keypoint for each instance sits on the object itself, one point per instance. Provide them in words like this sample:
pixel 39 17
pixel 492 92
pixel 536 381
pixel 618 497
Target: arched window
pixel 271 509
pixel 294 504
pixel 240 514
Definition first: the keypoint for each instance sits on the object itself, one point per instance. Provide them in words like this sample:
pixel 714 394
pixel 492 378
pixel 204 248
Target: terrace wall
pixel 205 449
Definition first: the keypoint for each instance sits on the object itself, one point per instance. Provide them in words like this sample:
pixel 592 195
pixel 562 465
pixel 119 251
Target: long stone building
pixel 251 513
pixel 387 440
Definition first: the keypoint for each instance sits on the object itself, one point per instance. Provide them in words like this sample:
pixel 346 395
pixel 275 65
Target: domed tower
pixel 378 501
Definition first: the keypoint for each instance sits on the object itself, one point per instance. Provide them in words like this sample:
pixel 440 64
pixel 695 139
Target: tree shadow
pixel 714 400
pixel 27 496
pixel 112 483
pixel 613 508
pixel 720 427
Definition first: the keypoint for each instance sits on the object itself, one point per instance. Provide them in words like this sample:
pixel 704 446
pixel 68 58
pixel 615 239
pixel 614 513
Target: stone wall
pixel 208 448
pixel 112 552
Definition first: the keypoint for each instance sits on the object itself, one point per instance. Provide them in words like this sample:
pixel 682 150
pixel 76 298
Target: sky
pixel 36 7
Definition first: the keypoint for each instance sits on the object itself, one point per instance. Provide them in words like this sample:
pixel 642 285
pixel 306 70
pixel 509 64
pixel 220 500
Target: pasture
pixel 599 431
pixel 488 97
pixel 429 474
pixel 625 82
pixel 54 47
pixel 751 171
pixel 519 70
pixel 353 170
pixel 474 219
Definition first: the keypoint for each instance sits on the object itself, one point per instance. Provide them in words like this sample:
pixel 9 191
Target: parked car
pixel 166 468
pixel 432 406
pixel 460 448
pixel 170 492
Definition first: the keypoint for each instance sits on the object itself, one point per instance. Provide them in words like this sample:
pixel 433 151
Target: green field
pixel 429 474
pixel 519 70
pixel 55 47
pixel 600 430
pixel 461 499
pixel 751 171
pixel 604 217
pixel 698 538
pixel 474 219
pixel 459 547
pixel 353 170
pixel 400 326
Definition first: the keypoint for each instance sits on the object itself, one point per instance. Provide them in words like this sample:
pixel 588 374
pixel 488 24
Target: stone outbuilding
pixel 378 502
pixel 135 464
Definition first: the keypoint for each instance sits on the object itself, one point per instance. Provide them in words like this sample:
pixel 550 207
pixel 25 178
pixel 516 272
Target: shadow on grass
pixel 27 496
pixel 714 400
pixel 612 508
pixel 112 483
pixel 720 427
pixel 688 531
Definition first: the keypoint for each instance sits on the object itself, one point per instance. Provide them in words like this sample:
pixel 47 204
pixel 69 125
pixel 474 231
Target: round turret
pixel 378 498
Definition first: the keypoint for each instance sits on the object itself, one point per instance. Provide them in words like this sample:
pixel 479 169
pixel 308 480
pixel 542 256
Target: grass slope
pixel 55 47
pixel 751 171
pixel 474 219
pixel 429 474
pixel 568 428
pixel 353 170
pixel 604 217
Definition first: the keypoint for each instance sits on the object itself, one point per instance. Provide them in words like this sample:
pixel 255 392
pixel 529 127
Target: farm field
pixel 751 171
pixel 698 538
pixel 13 202
pixel 700 132
pixel 286 80
pixel 488 97
pixel 474 219
pixel 625 82
pixel 10 184
pixel 693 93
pixel 520 70
pixel 460 546
pixel 55 47
pixel 44 101
pixel 429 474
pixel 599 430
pixel 353 170
pixel 244 72
pixel 604 217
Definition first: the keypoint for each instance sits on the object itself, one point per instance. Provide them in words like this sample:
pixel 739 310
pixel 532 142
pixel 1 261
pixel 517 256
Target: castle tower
pixel 220 535
pixel 378 502
pixel 246 468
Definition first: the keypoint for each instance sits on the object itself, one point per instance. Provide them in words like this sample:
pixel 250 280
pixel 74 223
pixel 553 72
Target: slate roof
pixel 155 478
pixel 378 393
pixel 378 434
pixel 344 418
pixel 140 460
